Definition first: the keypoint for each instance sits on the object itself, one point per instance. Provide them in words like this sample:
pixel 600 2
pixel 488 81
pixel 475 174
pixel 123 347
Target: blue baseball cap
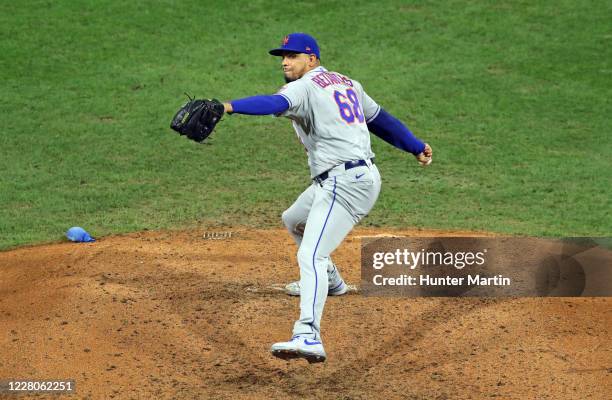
pixel 298 43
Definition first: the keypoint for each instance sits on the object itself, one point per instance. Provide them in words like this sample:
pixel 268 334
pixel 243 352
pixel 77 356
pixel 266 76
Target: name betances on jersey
pixel 324 79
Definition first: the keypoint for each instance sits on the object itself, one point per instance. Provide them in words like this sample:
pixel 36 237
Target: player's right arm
pixel 393 131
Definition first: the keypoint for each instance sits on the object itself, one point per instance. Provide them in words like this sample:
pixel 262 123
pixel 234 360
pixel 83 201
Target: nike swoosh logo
pixel 311 343
pixel 359 176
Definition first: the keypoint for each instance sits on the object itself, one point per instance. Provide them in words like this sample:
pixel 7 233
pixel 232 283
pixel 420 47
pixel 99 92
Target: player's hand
pixel 424 158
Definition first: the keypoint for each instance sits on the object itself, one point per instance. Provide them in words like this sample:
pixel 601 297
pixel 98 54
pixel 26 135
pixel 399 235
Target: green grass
pixel 514 97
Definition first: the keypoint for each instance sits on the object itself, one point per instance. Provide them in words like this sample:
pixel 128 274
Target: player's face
pixel 295 65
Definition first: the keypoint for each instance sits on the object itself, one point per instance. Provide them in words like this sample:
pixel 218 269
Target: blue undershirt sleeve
pixel 260 105
pixel 394 132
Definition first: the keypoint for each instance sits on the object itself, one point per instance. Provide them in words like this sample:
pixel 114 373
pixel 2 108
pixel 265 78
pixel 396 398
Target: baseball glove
pixel 197 118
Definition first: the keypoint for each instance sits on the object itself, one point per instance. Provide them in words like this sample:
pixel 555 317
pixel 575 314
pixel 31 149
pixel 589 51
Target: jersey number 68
pixel 348 105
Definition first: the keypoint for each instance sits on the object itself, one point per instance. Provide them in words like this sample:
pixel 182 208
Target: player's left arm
pixel 258 105
pixel 288 101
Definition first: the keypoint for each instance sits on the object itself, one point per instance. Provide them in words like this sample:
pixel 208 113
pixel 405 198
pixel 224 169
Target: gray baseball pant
pixel 319 220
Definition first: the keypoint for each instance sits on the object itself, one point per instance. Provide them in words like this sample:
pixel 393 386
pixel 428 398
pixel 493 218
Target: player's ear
pixel 313 60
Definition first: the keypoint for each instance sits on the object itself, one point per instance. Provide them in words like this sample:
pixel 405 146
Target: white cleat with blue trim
pixel 337 286
pixel 300 347
pixel 293 289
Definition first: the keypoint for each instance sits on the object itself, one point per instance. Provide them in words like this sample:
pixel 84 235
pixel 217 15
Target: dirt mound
pixel 193 314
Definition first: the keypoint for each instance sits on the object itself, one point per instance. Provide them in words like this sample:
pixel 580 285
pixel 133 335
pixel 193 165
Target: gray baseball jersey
pixel 329 112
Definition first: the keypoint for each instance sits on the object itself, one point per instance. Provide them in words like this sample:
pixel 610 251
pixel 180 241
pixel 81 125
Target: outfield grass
pixel 514 97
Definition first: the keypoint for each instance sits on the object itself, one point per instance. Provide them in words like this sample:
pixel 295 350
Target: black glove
pixel 197 118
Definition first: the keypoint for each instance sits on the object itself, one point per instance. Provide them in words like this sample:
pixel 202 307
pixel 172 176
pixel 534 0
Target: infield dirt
pixel 192 315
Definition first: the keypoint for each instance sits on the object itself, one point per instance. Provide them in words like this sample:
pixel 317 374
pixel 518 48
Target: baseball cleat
pixel 293 289
pixel 300 347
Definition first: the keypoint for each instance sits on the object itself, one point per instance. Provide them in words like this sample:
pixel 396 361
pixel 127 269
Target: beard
pixel 288 80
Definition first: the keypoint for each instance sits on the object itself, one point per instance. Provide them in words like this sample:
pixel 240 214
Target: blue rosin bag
pixel 78 234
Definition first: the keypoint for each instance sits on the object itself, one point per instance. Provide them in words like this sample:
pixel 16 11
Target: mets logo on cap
pixel 297 42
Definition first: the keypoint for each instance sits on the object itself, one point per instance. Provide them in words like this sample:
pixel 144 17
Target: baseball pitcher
pixel 332 116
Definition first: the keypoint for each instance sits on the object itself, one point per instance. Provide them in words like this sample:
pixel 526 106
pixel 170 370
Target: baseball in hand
pixel 426 156
pixel 424 160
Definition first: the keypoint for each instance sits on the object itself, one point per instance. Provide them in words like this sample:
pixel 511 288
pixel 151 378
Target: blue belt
pixel 347 165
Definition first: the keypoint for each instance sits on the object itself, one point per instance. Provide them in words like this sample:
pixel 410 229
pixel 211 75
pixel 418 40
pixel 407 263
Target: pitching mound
pixel 193 314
